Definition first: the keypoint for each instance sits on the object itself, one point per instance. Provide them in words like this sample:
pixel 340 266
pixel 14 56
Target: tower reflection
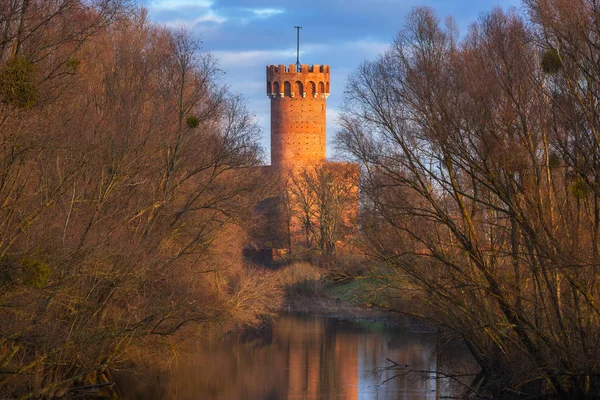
pixel 300 357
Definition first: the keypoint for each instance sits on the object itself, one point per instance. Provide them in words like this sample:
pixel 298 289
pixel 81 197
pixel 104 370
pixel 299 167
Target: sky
pixel 246 36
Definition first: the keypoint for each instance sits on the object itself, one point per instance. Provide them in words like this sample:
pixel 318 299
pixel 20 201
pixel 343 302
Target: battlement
pixel 292 68
pixel 288 81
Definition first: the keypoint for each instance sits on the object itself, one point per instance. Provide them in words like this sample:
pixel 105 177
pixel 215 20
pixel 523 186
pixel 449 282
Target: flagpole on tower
pixel 298 66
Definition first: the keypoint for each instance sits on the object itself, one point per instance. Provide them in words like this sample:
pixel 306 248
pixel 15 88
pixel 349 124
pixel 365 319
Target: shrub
pixel 18 85
pixel 579 188
pixel 347 267
pixel 301 276
pixel 73 64
pixel 35 272
pixel 253 296
pixel 192 121
pixel 551 61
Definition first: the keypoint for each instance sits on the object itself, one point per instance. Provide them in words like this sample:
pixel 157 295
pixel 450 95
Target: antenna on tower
pixel 298 65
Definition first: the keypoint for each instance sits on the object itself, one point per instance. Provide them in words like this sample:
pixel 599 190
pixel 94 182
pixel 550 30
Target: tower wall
pixel 298 114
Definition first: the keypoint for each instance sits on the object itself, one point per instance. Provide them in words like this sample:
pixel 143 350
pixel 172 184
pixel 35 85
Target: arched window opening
pixel 321 87
pixel 312 89
pixel 276 88
pixel 287 89
pixel 299 88
pixel 269 87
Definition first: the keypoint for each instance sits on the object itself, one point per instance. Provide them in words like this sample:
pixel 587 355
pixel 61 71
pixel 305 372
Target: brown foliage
pixel 482 187
pixel 111 201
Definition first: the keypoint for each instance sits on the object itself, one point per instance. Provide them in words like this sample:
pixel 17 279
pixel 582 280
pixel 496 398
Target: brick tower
pixel 298 114
pixel 298 94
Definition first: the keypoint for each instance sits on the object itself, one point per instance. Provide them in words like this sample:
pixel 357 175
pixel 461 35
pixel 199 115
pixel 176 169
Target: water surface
pixel 303 357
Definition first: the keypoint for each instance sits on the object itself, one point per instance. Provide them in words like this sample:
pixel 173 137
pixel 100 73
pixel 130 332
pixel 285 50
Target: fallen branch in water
pixel 396 364
pixel 88 387
pixel 474 389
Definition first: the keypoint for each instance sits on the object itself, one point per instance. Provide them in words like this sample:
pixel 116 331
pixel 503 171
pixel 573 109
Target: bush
pixel 192 121
pixel 301 276
pixel 35 272
pixel 18 84
pixel 579 188
pixel 26 270
pixel 551 61
pixel 73 64
pixel 347 267
pixel 253 296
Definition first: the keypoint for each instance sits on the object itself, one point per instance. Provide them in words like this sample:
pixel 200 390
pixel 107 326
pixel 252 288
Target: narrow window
pixel 287 89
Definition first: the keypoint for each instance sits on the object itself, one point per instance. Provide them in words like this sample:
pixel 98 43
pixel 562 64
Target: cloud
pixel 198 13
pixel 235 59
pixel 172 5
pixel 262 13
pixel 191 13
pixel 231 59
pixel 244 59
pixel 209 18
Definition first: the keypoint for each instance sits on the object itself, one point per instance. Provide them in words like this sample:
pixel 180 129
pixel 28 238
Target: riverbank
pixel 350 300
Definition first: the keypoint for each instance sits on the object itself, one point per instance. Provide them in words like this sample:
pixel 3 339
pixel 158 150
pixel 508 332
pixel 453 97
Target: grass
pixel 316 289
pixel 301 278
pixel 351 291
pixel 366 290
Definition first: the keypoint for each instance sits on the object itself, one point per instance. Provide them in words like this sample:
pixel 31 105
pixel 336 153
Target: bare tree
pixel 474 161
pixel 126 173
pixel 323 200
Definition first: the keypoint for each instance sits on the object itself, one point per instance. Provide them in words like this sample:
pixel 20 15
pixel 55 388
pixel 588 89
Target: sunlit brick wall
pixel 298 114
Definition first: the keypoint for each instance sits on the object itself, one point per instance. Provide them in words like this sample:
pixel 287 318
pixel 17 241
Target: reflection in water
pixel 300 357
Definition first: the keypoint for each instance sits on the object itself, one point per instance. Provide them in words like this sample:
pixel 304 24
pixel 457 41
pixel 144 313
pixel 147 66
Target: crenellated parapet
pixel 309 81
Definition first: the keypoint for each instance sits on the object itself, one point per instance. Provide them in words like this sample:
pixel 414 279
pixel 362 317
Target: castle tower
pixel 298 114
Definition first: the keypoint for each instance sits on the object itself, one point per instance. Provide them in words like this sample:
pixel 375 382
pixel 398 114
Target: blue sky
pixel 245 36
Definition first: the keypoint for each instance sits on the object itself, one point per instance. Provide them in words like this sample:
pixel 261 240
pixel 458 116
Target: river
pixel 308 357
